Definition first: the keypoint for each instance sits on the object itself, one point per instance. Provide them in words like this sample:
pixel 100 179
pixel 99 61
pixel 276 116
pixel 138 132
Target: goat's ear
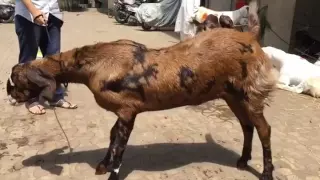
pixel 79 56
pixel 43 80
pixel 76 53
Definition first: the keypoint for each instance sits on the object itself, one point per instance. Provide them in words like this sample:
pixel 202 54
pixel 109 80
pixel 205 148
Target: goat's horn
pixel 10 80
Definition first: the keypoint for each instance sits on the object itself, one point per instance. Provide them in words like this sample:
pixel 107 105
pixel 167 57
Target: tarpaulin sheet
pixel 159 14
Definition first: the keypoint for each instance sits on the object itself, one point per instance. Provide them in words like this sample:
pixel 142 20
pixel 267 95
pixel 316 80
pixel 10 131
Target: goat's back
pixel 189 73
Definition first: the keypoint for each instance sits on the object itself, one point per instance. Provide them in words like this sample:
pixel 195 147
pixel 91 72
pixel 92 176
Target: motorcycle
pixel 6 13
pixel 125 10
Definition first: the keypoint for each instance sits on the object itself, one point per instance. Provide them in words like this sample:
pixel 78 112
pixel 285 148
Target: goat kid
pixel 235 16
pixel 212 22
pixel 296 73
pixel 127 78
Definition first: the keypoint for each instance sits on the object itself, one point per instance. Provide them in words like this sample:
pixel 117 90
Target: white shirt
pixel 45 6
pixel 187 10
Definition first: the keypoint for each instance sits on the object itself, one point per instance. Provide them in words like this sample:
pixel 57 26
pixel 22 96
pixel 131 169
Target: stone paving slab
pixel 187 143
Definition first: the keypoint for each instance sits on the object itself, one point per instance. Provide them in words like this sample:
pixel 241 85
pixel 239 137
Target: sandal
pixel 36 108
pixel 62 103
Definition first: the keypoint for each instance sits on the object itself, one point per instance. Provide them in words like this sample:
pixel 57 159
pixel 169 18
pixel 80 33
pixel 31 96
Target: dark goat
pixel 127 78
pixel 226 22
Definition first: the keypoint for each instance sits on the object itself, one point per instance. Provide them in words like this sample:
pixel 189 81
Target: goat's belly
pixel 169 100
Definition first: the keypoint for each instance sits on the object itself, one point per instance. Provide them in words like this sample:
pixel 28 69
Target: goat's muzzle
pixel 10 87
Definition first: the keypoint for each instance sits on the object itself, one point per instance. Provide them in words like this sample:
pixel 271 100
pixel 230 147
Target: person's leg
pixel 50 44
pixel 28 36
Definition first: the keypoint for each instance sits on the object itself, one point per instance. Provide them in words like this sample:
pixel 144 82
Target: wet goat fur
pixel 128 78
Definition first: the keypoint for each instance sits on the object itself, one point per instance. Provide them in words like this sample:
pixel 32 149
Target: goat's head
pixel 211 22
pixel 226 22
pixel 27 82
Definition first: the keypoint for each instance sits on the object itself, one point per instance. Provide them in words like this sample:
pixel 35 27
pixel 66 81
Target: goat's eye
pixel 26 92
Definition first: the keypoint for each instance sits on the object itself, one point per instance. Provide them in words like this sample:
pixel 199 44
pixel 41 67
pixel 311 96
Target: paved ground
pixel 188 143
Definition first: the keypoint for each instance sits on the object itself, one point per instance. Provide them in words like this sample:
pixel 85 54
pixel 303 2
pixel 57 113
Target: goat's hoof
pixel 266 175
pixel 113 176
pixel 242 163
pixel 101 169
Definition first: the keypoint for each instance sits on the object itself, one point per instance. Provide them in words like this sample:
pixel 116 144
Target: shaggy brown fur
pixel 127 78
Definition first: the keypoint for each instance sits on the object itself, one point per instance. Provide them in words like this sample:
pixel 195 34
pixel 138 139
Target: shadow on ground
pixel 214 109
pixel 152 157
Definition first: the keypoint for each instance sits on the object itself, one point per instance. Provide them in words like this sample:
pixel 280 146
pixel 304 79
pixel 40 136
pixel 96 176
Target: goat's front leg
pixel 119 137
pixel 237 106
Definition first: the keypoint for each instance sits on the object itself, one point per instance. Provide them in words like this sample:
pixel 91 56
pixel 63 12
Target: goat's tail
pixel 253 19
pixel 260 84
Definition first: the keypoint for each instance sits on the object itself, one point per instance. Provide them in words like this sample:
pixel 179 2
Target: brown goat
pixel 210 22
pixel 127 78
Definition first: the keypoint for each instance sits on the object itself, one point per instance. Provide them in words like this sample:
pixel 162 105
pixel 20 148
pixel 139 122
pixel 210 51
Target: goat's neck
pixel 72 77
pixel 61 73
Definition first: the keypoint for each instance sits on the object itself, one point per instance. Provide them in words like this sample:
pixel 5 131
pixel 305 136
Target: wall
pixel 307 16
pixel 219 5
pixel 280 15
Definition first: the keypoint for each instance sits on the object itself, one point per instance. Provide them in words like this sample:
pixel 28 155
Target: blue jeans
pixel 31 36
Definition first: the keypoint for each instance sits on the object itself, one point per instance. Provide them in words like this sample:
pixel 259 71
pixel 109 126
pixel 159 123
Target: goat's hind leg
pixel 238 108
pixel 119 137
pixel 255 111
pixel 251 113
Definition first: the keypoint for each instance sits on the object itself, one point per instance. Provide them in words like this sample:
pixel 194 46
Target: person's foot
pixel 62 103
pixel 36 108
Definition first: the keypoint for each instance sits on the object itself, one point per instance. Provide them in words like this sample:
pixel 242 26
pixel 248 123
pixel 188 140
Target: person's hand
pixel 39 18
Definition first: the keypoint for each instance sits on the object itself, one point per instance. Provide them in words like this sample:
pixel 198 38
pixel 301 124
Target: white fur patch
pixel 11 82
pixel 11 100
pixel 117 170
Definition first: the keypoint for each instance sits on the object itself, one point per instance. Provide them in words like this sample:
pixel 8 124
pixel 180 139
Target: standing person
pixel 38 24
pixel 183 23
